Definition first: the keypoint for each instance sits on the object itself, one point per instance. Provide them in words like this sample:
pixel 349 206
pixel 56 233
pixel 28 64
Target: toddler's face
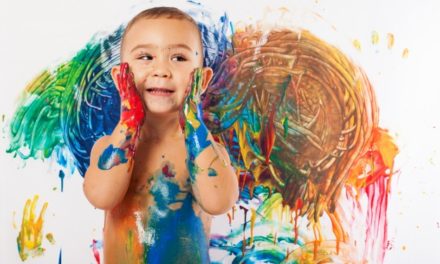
pixel 162 53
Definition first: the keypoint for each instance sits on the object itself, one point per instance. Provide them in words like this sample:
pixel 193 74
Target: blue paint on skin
pixel 111 157
pixel 196 141
pixel 179 236
pixel 212 172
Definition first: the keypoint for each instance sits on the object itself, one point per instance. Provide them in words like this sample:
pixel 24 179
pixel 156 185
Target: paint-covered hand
pixel 132 107
pixel 132 118
pixel 192 108
pixel 191 120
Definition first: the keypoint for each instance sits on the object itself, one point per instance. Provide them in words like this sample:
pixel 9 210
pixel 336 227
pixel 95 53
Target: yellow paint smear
pixel 50 238
pixel 374 37
pixel 31 233
pixel 390 40
pixel 405 53
pixel 357 44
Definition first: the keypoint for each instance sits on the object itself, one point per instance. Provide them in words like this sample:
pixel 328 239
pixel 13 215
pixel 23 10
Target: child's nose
pixel 161 70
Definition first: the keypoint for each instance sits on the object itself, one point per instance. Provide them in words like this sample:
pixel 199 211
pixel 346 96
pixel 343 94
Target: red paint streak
pixel 96 252
pixel 297 209
pixel 376 169
pixel 245 178
pixel 267 138
pixel 182 120
pixel 377 194
pixel 167 171
pixel 245 210
pixel 132 108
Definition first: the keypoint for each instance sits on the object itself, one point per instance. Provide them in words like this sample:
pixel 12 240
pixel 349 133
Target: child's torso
pixel 159 220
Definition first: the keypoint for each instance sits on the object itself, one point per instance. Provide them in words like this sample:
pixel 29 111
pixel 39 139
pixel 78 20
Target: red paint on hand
pixel 132 108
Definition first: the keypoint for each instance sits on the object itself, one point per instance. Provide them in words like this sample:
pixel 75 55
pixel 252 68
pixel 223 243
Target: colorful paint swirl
pixel 300 117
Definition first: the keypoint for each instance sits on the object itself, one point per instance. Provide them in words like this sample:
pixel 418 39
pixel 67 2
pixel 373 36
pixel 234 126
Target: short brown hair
pixel 162 12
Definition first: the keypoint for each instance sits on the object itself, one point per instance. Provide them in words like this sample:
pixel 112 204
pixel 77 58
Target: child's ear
pixel 207 76
pixel 116 70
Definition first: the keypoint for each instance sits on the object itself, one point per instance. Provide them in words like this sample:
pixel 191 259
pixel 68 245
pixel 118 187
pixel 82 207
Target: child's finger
pixel 195 87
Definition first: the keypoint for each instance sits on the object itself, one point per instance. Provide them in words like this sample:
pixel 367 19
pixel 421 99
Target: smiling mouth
pixel 159 91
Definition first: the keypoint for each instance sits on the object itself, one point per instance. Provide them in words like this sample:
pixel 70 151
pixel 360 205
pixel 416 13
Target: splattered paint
pixel 357 44
pixel 50 238
pixel 390 40
pixel 62 175
pixel 405 53
pixel 299 120
pixel 30 237
pixel 375 37
pixel 60 257
pixel 302 116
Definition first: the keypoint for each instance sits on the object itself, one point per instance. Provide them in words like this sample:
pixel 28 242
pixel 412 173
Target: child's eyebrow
pixel 171 46
pixel 177 46
pixel 139 46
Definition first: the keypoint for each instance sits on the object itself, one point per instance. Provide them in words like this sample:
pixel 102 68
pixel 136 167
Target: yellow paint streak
pixel 390 40
pixel 357 44
pixel 337 229
pixel 31 234
pixel 253 217
pixel 14 224
pixel 374 37
pixel 405 53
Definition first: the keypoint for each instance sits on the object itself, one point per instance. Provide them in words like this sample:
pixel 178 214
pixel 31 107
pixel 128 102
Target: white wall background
pixel 37 34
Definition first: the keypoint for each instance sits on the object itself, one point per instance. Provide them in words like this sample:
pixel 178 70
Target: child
pixel 160 175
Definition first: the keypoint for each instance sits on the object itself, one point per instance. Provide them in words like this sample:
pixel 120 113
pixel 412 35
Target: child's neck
pixel 161 127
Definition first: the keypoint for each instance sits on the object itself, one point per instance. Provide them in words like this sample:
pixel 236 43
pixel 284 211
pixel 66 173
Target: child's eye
pixel 145 57
pixel 178 58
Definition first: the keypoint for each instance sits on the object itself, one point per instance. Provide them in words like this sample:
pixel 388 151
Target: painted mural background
pixel 393 49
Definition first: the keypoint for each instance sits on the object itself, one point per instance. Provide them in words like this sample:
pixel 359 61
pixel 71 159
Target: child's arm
pixel 108 176
pixel 212 177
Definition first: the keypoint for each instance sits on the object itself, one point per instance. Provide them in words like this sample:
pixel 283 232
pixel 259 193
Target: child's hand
pixel 192 108
pixel 191 120
pixel 132 108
